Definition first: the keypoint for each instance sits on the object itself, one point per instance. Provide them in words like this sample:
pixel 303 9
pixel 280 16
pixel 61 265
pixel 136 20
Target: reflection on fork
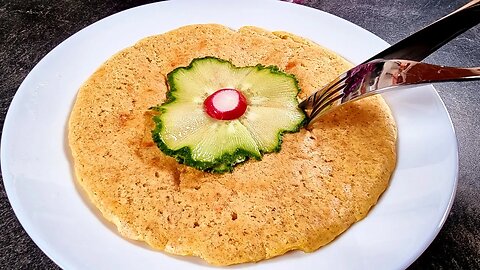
pixel 379 76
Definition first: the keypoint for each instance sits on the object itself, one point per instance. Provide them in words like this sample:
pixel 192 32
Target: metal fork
pixel 384 71
pixel 379 76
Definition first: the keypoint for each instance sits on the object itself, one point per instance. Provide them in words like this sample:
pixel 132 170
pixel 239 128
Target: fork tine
pixel 313 99
pixel 332 95
pixel 322 110
pixel 326 97
pixel 328 94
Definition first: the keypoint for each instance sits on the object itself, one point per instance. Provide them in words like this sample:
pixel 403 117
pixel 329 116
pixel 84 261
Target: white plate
pixel 38 176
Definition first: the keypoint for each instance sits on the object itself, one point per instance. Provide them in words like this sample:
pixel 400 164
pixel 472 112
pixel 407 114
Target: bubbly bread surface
pixel 321 182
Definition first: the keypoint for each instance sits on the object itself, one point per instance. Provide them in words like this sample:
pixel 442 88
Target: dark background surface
pixel 29 29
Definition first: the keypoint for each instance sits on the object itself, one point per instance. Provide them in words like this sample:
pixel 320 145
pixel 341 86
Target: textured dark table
pixel 29 29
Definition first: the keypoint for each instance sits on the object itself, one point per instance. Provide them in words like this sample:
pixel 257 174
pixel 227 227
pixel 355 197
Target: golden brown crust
pixel 320 183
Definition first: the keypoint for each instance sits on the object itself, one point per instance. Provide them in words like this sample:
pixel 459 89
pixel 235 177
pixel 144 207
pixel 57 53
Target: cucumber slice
pixel 259 120
pixel 196 139
pixel 185 131
pixel 268 87
pixel 203 77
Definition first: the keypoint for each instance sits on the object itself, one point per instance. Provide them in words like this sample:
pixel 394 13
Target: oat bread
pixel 321 182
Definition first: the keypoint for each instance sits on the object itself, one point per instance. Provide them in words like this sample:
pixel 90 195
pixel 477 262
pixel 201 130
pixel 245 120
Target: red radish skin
pixel 225 104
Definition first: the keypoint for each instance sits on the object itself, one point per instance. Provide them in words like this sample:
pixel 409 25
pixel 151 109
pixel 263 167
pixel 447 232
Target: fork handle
pixel 402 72
pixel 426 41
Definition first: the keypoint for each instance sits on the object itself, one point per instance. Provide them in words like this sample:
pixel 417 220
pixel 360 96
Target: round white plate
pixel 38 174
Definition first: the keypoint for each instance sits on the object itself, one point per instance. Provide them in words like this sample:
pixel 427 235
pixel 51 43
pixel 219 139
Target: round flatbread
pixel 321 182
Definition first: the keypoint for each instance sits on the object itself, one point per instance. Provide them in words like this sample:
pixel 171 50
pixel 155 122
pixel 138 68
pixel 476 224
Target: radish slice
pixel 225 104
